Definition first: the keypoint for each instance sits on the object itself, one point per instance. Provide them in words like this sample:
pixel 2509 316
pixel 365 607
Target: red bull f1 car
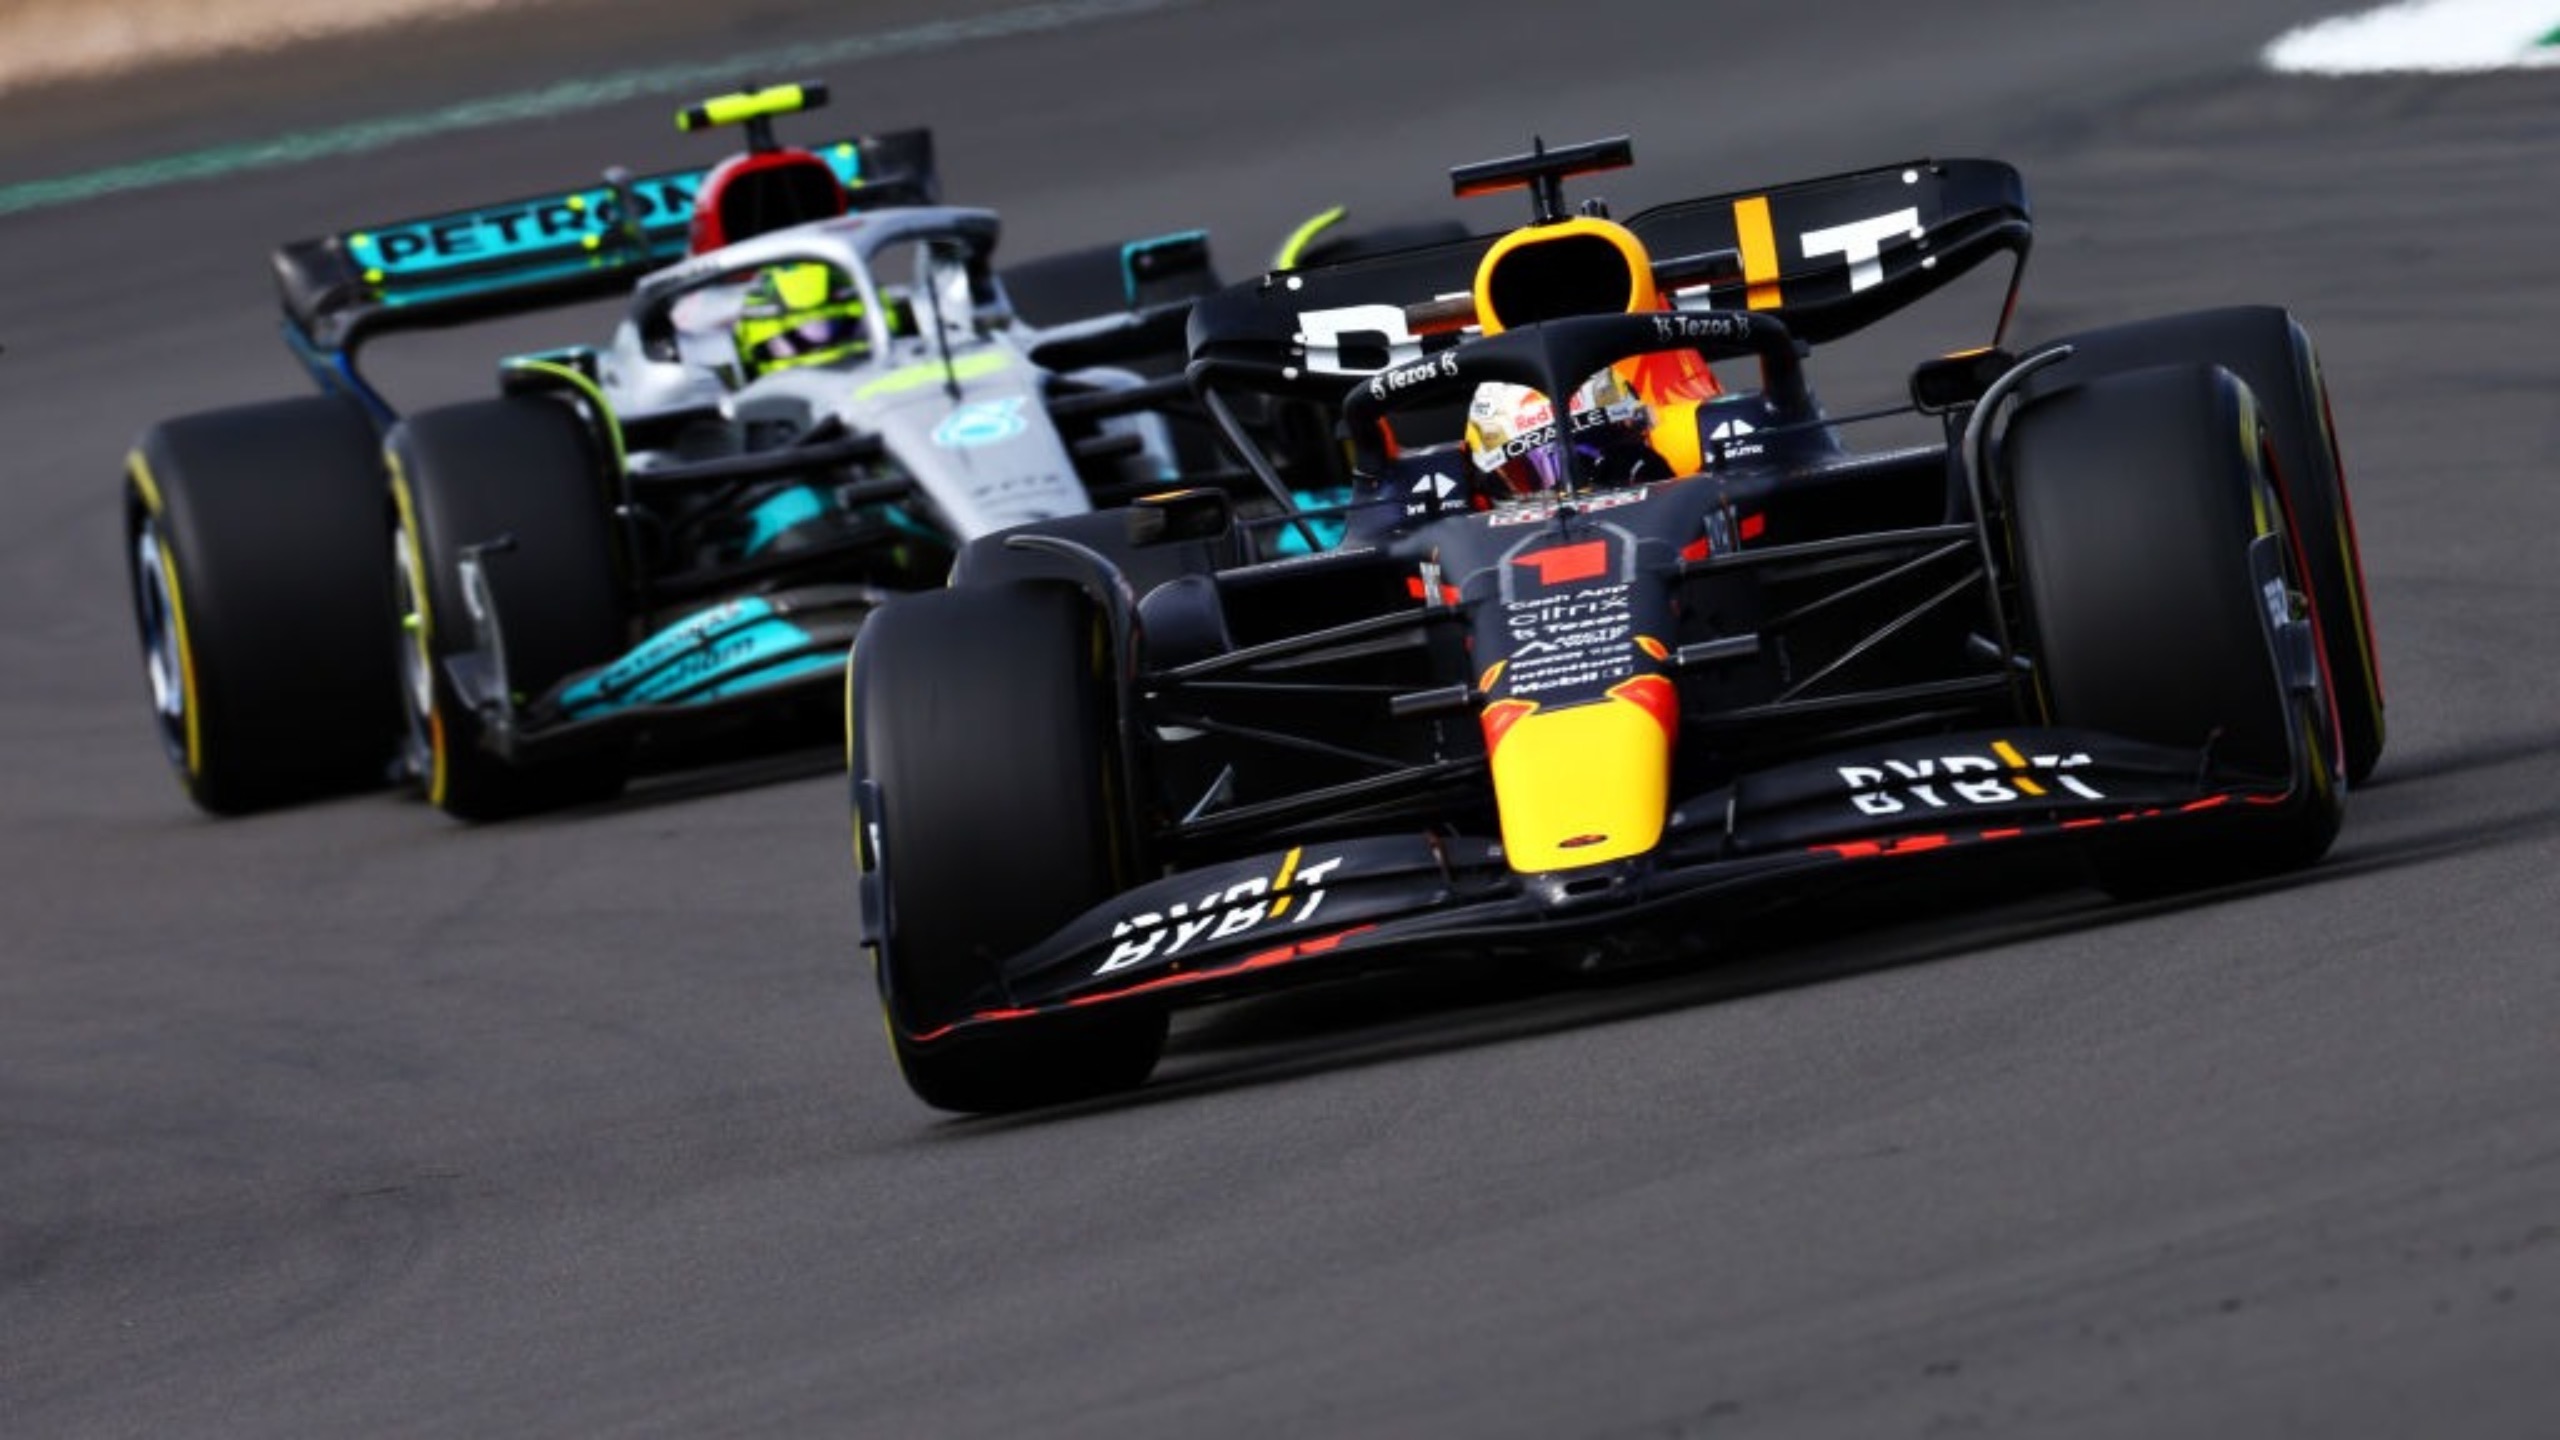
pixel 1618 620
pixel 819 387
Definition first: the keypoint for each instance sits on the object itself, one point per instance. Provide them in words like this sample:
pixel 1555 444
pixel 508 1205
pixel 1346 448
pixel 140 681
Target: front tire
pixel 2273 355
pixel 523 474
pixel 983 752
pixel 2136 501
pixel 261 595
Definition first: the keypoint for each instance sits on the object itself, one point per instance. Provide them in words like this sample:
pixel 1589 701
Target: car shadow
pixel 660 789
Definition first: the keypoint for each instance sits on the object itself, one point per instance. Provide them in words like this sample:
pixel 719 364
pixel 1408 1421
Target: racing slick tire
pixel 983 755
pixel 2135 500
pixel 2273 355
pixel 252 539
pixel 523 476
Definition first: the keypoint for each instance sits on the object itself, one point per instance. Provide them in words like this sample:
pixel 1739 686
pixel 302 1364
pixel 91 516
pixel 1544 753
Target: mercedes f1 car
pixel 1604 639
pixel 819 388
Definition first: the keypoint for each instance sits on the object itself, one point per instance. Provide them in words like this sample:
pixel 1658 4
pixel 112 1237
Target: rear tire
pixel 2273 356
pixel 252 539
pixel 2135 502
pixel 983 752
pixel 524 471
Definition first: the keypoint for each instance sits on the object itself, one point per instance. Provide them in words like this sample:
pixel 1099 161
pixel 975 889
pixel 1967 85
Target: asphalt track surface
pixel 350 1121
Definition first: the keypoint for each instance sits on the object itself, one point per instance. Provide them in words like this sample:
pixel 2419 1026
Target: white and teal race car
pixel 820 387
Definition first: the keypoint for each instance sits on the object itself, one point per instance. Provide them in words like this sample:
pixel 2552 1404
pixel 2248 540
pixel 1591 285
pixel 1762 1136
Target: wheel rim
pixel 417 662
pixel 163 640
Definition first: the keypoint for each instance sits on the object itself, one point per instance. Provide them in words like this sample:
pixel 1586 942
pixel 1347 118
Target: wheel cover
pixel 164 646
pixel 2328 743
pixel 422 749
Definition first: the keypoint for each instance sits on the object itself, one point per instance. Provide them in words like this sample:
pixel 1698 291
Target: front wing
pixel 747 653
pixel 1316 908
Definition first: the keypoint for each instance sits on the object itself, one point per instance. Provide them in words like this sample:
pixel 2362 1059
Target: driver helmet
pixel 1511 437
pixel 803 313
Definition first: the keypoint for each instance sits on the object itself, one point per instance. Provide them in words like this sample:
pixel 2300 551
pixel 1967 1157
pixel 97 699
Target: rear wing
pixel 542 250
pixel 1826 257
pixel 1829 257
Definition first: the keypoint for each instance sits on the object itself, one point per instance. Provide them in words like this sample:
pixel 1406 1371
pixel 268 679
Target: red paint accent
pixel 1564 564
pixel 1754 526
pixel 1499 717
pixel 1260 960
pixel 707 232
pixel 936 1033
pixel 1651 693
pixel 1697 549
pixel 1874 849
pixel 1918 844
pixel 1670 377
pixel 1413 586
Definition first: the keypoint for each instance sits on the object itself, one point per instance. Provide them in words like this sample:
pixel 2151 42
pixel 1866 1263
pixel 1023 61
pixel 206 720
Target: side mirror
pixel 1162 267
pixel 1951 382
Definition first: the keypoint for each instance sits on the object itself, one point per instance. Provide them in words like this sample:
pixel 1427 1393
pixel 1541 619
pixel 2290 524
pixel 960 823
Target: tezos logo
pixel 1388 382
pixel 1710 326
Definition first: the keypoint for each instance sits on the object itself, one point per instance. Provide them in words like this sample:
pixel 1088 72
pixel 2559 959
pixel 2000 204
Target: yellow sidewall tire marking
pixel 422 634
pixel 148 488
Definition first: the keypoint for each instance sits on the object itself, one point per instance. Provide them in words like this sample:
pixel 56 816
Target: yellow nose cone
pixel 1586 783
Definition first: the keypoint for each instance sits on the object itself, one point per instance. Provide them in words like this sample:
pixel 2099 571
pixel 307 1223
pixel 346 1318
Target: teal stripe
pixel 566 98
pixel 737 660
pixel 775 675
pixel 796 506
